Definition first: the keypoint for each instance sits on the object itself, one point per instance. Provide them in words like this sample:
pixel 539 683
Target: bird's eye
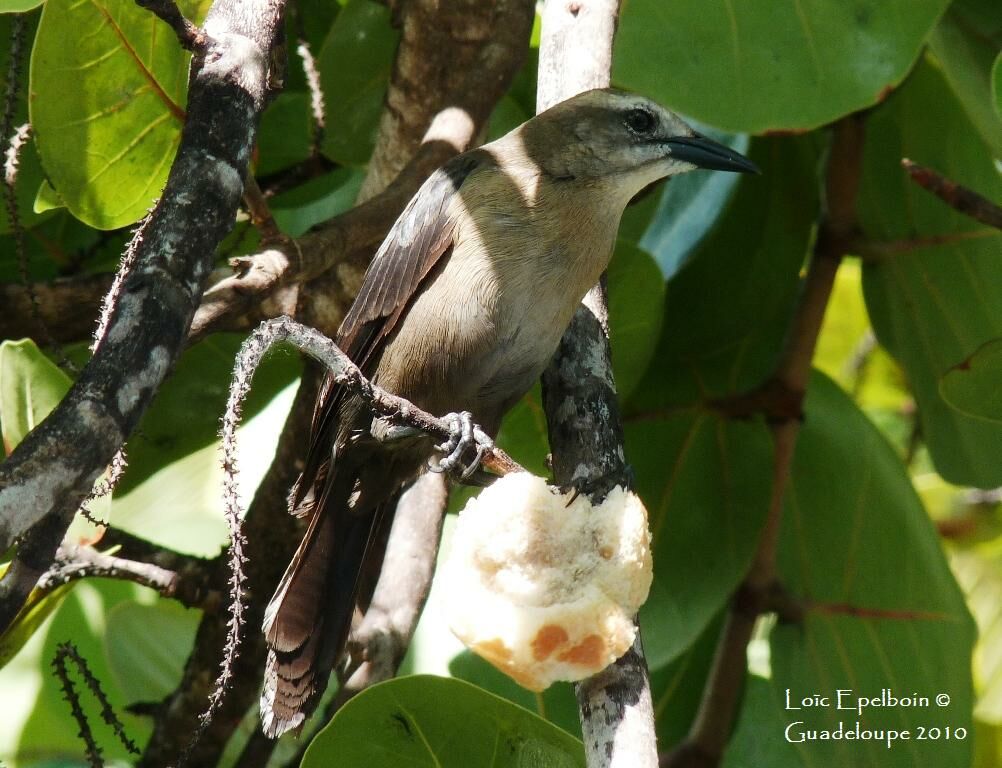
pixel 640 121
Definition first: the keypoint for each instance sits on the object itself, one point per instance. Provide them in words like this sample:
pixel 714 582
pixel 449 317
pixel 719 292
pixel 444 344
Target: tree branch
pixel 582 409
pixel 189 36
pixel 66 307
pixel 189 587
pixel 47 476
pixel 957 196
pixel 714 721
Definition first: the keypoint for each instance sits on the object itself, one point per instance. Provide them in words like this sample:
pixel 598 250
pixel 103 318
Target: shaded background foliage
pixel 891 527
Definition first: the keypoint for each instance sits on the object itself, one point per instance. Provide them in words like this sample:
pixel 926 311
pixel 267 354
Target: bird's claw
pixel 464 435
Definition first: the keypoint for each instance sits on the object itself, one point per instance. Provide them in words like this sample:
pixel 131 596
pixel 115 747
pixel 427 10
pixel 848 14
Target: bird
pixel 459 312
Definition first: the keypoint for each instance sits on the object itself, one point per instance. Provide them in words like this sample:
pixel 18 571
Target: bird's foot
pixel 464 436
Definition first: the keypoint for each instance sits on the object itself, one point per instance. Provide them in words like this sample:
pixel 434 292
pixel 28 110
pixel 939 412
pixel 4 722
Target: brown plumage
pixel 461 310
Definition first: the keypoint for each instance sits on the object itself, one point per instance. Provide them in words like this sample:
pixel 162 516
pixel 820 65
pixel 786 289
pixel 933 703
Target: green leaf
pixel 935 303
pixel 705 482
pixel 972 385
pixel 354 65
pixel 688 208
pixel 636 302
pixel 30 386
pixel 847 353
pixel 523 433
pixel 978 567
pixel 997 85
pixel 772 64
pixel 883 610
pixel 107 110
pixel 966 42
pixel 171 492
pixel 284 137
pixel 676 688
pixel 435 721
pixel 704 476
pixel 36 609
pixel 18 6
pixel 317 200
pixel 47 199
pixel 557 704
pixel 727 308
pixel 147 646
pixel 758 736
pixel 39 729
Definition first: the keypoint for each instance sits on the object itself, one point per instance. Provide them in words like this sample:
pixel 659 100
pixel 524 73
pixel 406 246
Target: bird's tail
pixel 307 621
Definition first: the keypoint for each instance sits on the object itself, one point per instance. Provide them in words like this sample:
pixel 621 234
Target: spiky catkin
pixel 67 652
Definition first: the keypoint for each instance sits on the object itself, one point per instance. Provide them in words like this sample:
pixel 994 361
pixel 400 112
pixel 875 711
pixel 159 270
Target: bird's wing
pixel 414 245
pixel 416 242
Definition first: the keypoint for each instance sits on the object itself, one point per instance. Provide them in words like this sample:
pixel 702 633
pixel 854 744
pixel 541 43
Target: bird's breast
pixel 483 328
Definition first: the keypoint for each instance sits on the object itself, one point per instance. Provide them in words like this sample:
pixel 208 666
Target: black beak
pixel 706 153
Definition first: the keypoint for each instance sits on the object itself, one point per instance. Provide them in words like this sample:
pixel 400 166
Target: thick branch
pixel 68 307
pixel 586 433
pixel 721 696
pixel 47 476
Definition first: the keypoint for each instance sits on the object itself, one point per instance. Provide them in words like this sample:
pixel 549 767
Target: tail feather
pixel 307 621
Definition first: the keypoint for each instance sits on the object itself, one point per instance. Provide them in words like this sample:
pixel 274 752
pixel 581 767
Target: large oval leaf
pixel 883 610
pixel 936 296
pixel 705 481
pixel 435 721
pixel 147 645
pixel 107 109
pixel 966 43
pixel 972 386
pixel 636 304
pixel 354 65
pixel 770 64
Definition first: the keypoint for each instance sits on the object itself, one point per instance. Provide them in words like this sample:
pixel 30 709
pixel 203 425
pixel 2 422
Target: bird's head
pixel 623 137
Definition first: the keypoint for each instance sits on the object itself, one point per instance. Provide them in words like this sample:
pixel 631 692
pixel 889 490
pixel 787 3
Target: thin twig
pixel 957 196
pixel 188 34
pixel 395 410
pixel 874 250
pixel 260 212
